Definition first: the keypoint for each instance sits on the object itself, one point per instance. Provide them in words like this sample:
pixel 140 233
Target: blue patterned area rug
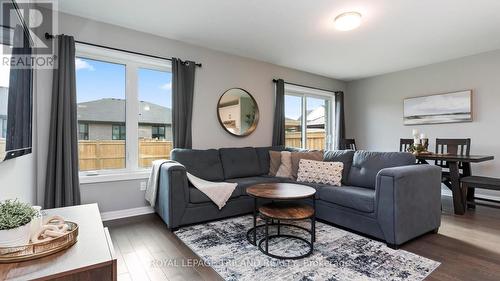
pixel 338 254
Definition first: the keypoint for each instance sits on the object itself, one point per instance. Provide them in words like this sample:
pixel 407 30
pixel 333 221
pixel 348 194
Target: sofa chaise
pixel 383 194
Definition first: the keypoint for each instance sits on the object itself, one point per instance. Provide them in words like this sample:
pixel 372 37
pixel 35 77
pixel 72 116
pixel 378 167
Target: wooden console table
pixel 91 258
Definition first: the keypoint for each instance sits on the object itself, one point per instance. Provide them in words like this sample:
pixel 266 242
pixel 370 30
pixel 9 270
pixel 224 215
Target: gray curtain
pixel 182 101
pixel 339 119
pixel 279 114
pixel 62 186
pixel 19 102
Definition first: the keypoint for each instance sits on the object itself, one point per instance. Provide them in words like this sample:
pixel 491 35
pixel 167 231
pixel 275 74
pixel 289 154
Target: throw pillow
pixel 320 172
pixel 274 162
pixel 310 155
pixel 285 170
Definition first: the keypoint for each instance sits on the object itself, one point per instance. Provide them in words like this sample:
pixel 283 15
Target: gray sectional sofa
pixel 384 194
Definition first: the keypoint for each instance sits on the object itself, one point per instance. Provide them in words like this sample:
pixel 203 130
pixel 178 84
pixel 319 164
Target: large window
pixel 124 110
pixel 308 118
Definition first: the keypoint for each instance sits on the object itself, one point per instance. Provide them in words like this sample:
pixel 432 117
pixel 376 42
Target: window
pixel 293 121
pixel 83 131
pixel 308 118
pixel 158 132
pixel 124 110
pixel 118 132
pixel 155 115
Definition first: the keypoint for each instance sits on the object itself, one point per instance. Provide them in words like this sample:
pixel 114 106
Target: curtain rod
pixel 50 36
pixel 305 86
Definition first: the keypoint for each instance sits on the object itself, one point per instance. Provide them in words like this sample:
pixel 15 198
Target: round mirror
pixel 238 112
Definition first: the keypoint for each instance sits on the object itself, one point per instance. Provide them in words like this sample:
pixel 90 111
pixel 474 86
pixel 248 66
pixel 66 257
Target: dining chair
pixel 348 144
pixel 453 147
pixel 404 144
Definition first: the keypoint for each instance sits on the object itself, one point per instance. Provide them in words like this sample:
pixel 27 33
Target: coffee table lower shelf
pixel 283 211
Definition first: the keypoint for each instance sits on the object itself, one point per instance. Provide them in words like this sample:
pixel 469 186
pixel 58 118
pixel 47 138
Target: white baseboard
pixel 113 215
pixel 447 192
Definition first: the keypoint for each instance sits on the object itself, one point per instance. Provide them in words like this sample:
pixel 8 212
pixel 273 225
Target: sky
pixel 97 79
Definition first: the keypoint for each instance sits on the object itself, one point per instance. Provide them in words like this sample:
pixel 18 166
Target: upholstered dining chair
pixel 348 144
pixel 404 144
pixel 454 147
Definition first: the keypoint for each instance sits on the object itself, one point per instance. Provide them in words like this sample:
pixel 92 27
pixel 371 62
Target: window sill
pixel 111 177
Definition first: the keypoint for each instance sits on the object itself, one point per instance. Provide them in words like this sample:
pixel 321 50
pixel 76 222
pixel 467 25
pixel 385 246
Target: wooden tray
pixel 41 249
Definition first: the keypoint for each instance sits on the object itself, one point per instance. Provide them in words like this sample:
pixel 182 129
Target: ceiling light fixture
pixel 347 21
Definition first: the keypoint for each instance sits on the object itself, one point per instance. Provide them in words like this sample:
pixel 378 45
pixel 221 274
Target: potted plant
pixel 15 223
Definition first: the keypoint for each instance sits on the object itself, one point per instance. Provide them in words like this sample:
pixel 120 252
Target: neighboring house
pixel 315 120
pixel 104 119
pixel 4 97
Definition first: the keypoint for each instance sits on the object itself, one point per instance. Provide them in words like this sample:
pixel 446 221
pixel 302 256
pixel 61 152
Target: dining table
pixel 454 163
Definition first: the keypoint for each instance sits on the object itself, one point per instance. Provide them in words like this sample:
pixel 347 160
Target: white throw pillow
pixel 320 172
pixel 285 169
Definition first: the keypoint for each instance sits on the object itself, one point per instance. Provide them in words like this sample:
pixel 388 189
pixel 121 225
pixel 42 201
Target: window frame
pixel 122 131
pixel 304 93
pixel 132 63
pixel 158 127
pixel 85 132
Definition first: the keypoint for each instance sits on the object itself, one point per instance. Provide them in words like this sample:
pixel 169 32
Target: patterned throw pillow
pixel 320 172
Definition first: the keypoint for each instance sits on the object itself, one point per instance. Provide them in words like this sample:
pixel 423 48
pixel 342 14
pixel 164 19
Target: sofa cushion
pixel 205 164
pixel 196 196
pixel 239 162
pixel 245 182
pixel 367 164
pixel 314 185
pixel 316 155
pixel 344 156
pixel 274 162
pixel 320 172
pixel 358 198
pixel 264 160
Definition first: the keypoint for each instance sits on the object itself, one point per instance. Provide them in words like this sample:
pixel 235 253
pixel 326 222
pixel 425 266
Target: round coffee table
pixel 285 206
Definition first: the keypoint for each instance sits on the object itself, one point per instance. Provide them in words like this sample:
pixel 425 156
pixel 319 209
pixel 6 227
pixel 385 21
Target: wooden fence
pixel 110 154
pixel 315 140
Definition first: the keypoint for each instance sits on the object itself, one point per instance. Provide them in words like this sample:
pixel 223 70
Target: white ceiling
pixel 394 35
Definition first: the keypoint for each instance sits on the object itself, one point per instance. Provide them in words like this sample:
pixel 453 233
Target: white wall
pixel 17 179
pixel 374 106
pixel 220 72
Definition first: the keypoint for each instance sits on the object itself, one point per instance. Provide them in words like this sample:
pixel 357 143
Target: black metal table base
pixel 250 232
pixel 268 237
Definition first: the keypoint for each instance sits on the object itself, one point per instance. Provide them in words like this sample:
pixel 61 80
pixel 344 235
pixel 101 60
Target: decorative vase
pixel 14 237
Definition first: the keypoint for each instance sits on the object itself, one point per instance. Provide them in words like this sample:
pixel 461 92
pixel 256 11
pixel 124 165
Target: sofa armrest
pixel 408 201
pixel 173 193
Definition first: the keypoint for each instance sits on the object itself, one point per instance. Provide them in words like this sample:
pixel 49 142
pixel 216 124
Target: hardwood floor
pixel 468 248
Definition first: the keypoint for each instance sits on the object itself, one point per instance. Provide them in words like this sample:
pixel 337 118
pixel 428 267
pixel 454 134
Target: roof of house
pixel 315 117
pixel 111 110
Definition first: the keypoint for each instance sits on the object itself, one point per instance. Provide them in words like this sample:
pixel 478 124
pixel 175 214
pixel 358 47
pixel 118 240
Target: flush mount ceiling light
pixel 347 21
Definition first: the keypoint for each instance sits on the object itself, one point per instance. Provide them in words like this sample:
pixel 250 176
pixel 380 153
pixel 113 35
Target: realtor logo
pixel 23 24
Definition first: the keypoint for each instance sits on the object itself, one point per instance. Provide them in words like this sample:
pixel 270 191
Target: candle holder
pixel 419 147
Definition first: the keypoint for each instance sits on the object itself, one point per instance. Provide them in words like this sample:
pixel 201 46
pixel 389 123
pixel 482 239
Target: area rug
pixel 338 254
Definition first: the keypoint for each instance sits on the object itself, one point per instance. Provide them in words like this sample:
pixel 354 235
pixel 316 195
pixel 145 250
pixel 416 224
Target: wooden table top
pixel 284 191
pixel 286 210
pixel 91 248
pixel 455 158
